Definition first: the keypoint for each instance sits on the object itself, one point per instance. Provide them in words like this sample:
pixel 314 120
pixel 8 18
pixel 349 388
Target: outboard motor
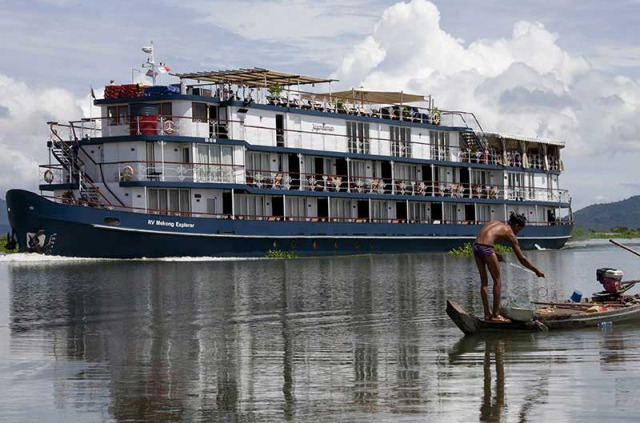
pixel 609 278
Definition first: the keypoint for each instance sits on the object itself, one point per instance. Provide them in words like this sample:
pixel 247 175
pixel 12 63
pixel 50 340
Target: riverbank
pixel 582 234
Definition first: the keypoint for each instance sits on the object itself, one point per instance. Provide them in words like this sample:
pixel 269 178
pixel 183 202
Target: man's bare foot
pixel 488 317
pixel 501 319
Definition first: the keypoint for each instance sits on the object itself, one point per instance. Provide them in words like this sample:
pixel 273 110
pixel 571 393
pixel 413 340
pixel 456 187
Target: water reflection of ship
pixel 187 341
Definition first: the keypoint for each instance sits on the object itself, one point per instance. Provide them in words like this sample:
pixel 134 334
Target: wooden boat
pixel 606 307
pixel 551 316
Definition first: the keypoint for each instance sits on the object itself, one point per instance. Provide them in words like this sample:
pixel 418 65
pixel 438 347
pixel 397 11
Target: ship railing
pixel 537 194
pixel 169 171
pixel 324 138
pixel 300 181
pixel 54 174
pixel 69 199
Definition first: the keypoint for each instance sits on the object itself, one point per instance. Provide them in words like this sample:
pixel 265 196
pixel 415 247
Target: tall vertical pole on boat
pixel 233 204
pixel 151 63
pixel 284 207
pixel 162 143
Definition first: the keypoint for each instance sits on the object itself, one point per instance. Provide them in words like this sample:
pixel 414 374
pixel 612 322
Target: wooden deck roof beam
pixel 253 78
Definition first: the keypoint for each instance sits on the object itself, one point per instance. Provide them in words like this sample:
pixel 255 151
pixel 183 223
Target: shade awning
pixel 517 138
pixel 253 77
pixel 371 97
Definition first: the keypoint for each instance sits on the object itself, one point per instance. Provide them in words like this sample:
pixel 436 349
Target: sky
pixel 562 69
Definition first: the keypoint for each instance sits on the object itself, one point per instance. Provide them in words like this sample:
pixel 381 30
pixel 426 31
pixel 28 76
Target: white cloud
pixel 525 84
pixel 283 20
pixel 23 129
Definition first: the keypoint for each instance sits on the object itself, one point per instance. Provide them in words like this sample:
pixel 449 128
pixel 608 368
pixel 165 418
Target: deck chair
pixel 460 191
pixel 312 182
pixel 277 180
pixel 374 184
pixel 336 181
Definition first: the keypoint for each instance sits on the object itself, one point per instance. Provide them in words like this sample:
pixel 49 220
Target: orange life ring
pixel 169 126
pixel 49 176
pixel 127 173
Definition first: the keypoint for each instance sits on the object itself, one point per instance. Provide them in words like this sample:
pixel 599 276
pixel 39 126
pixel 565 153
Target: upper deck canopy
pixel 252 78
pixel 371 97
pixel 523 138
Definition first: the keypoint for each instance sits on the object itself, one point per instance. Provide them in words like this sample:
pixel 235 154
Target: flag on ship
pixel 162 68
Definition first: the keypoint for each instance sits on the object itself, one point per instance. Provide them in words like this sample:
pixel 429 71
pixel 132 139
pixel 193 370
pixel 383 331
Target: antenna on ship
pixel 151 63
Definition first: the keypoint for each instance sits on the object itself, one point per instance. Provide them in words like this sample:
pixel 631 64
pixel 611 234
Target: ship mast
pixel 151 63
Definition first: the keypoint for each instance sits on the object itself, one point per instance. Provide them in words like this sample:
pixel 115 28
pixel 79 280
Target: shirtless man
pixel 486 257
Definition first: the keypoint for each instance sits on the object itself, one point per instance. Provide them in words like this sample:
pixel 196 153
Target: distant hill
pixel 607 216
pixel 4 219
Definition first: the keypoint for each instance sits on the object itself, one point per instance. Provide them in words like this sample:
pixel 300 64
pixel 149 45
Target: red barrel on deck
pixel 143 119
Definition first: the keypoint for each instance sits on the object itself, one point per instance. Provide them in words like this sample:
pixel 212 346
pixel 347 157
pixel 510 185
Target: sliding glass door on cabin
pixel 214 163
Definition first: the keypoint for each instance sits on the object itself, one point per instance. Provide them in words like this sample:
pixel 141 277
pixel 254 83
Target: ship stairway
pixel 64 153
pixel 472 141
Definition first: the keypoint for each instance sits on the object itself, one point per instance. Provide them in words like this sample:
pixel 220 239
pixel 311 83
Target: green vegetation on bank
pixel 467 250
pixel 581 234
pixel 279 254
pixel 3 243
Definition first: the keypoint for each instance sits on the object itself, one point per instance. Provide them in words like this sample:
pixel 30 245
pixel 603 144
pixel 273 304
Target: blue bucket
pixel 576 297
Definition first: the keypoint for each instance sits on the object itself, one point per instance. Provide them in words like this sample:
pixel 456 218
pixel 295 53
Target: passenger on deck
pixel 486 257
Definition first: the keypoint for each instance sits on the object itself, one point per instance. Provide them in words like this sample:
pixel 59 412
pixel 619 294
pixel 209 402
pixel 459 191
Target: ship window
pixel 169 201
pixel 258 161
pixel 358 137
pixel 279 130
pixel 439 145
pixel 111 220
pixel 379 210
pixel 479 177
pixel 165 110
pixel 214 163
pixel 357 168
pixel 118 115
pixel 296 207
pixel 199 112
pixel 400 141
pixel 341 208
pixel 249 205
pixel 405 172
pixel 418 212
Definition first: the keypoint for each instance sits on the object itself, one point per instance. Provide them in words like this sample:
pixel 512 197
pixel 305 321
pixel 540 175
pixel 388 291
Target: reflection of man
pixel 486 257
pixel 491 408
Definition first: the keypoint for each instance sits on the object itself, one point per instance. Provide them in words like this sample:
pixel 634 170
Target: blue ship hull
pixel 72 230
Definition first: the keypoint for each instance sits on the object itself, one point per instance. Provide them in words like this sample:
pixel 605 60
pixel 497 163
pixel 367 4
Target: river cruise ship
pixel 241 162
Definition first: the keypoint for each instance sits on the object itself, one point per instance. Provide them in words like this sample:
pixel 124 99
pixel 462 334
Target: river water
pixel 307 340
